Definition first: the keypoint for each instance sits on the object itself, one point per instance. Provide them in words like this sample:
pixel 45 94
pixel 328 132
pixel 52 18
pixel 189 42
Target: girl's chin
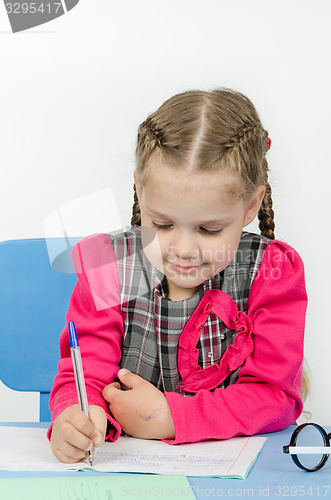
pixel 176 291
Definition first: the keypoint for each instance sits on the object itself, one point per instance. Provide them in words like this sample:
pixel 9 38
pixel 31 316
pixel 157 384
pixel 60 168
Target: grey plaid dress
pixel 153 324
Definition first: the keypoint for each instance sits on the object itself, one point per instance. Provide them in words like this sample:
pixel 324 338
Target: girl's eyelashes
pixel 210 232
pixel 161 226
pixel 203 230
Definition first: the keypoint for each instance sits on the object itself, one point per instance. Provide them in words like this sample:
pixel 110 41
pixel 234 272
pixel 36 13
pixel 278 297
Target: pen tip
pixel 90 459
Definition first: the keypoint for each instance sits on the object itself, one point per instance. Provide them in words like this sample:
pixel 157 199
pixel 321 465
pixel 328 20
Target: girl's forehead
pixel 160 178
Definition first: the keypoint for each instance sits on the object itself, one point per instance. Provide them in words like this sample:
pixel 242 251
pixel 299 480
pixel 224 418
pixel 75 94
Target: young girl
pixel 201 322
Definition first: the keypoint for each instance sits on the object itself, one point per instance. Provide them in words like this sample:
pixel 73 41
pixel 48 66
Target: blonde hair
pixel 207 131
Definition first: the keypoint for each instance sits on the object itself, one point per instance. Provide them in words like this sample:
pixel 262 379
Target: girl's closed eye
pixel 210 232
pixel 161 226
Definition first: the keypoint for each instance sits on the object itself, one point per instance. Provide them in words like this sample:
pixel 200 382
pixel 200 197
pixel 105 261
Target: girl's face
pixel 198 222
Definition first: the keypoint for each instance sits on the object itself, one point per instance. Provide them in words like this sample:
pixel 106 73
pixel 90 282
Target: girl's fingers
pixel 73 433
pixel 98 418
pixel 68 453
pixel 111 390
pixel 74 437
pixel 117 385
pixel 82 423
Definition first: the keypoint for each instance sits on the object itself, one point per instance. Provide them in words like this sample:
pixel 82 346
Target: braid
pixel 266 215
pixel 147 142
pixel 251 142
pixel 242 136
pixel 136 216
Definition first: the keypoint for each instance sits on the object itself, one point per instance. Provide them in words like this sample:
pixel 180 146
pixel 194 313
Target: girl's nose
pixel 184 246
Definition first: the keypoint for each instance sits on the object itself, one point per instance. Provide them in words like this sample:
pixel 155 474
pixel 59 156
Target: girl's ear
pixel 254 205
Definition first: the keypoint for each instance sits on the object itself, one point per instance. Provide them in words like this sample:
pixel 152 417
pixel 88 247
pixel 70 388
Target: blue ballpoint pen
pixel 79 375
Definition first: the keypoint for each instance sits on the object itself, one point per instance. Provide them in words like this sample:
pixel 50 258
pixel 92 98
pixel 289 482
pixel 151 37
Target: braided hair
pixel 208 131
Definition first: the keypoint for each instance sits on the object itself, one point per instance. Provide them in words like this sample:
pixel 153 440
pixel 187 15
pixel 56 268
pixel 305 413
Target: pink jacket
pixel 266 396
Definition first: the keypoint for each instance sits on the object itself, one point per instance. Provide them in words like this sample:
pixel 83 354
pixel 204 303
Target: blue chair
pixel 33 301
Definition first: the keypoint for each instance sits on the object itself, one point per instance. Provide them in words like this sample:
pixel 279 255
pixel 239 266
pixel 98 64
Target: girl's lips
pixel 184 269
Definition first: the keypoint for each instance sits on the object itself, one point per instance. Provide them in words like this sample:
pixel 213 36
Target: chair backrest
pixel 33 301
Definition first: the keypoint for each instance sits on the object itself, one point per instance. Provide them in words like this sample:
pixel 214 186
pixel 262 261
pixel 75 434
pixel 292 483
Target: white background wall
pixel 73 91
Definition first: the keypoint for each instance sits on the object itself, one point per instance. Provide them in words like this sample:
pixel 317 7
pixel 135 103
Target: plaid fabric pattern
pixel 153 324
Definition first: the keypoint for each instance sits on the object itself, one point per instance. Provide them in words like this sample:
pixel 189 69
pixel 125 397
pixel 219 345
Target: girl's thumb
pixel 128 378
pixel 122 372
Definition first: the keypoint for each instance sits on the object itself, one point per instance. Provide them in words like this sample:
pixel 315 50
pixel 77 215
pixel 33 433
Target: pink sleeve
pixel 95 309
pixel 266 396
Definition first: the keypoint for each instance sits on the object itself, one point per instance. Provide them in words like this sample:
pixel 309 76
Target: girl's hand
pixel 73 434
pixel 142 411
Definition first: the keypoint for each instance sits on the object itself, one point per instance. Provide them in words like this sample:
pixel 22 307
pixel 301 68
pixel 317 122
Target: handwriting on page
pixel 28 449
pixel 179 461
